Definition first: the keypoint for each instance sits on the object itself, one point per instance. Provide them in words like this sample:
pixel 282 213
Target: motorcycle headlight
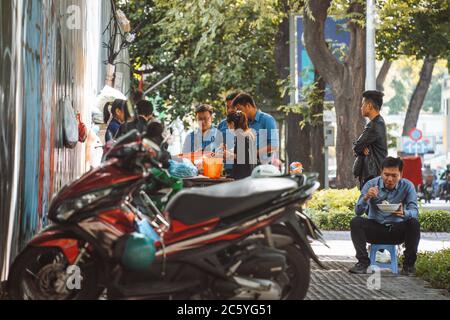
pixel 69 207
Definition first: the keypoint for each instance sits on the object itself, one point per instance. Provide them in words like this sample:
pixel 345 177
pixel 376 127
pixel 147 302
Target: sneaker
pixel 408 271
pixel 359 268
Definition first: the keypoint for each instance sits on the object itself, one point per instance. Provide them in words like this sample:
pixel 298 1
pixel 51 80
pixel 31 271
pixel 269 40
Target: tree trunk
pixel 347 81
pixel 297 142
pixel 381 78
pixel 298 146
pixel 418 97
pixel 317 132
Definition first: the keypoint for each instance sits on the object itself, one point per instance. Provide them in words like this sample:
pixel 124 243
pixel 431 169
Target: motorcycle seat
pixel 193 206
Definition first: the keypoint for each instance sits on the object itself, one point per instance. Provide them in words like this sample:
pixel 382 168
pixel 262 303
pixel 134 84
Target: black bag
pixel 373 167
pixel 358 166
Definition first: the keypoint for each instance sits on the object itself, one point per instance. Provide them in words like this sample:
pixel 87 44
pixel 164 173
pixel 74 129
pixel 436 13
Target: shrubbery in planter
pixel 339 219
pixel 333 209
pixel 435 221
pixel 434 267
pixel 336 219
pixel 326 200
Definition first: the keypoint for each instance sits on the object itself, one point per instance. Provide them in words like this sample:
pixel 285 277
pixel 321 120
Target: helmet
pixel 266 170
pixel 136 251
pixel 296 168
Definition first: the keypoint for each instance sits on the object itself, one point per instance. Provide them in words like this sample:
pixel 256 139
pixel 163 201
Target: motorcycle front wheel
pixel 43 273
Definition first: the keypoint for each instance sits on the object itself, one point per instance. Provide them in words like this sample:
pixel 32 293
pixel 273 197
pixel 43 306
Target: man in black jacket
pixel 371 147
pixel 144 110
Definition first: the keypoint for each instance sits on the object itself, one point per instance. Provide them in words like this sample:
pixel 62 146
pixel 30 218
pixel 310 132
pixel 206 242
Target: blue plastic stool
pixel 392 248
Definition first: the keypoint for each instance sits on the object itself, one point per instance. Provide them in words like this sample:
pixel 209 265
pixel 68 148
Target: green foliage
pixel 333 209
pixel 435 221
pixel 391 137
pixel 434 267
pixel 311 95
pixel 398 103
pixel 343 200
pixel 340 221
pixel 212 47
pixel 432 101
pixel 337 220
pixel 417 28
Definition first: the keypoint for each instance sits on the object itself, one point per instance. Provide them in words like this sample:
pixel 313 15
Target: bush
pixel 320 218
pixel 434 267
pixel 333 220
pixel 329 199
pixel 435 221
pixel 340 221
pixel 333 209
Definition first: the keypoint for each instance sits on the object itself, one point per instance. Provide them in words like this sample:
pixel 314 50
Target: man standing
pixel 226 136
pixel 371 147
pixel 263 125
pixel 399 227
pixel 203 138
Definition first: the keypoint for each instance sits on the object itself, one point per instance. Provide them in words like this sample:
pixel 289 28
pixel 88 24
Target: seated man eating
pixel 399 227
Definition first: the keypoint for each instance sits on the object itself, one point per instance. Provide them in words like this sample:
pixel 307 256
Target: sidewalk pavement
pixel 435 205
pixel 337 283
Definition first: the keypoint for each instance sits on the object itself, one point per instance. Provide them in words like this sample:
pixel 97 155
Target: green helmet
pixel 136 251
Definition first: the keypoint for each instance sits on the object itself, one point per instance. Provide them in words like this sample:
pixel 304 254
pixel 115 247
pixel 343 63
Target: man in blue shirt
pixel 263 125
pixel 399 227
pixel 202 139
pixel 227 137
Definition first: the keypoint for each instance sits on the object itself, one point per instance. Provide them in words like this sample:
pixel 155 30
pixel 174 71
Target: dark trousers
pixel 365 231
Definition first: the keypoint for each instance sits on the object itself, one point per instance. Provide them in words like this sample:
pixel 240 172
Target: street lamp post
pixel 370 46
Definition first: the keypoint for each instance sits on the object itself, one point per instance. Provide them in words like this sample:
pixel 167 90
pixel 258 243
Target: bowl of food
pixel 388 208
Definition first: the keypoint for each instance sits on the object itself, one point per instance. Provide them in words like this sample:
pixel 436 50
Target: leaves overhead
pixel 212 47
pixel 418 28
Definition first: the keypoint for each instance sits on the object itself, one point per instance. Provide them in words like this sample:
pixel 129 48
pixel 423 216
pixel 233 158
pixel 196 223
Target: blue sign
pixel 421 147
pixel 336 35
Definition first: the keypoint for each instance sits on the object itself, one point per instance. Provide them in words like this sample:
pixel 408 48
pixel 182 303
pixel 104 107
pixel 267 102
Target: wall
pixel 43 60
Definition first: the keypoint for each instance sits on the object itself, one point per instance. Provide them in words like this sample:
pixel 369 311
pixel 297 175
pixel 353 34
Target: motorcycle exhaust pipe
pixel 258 289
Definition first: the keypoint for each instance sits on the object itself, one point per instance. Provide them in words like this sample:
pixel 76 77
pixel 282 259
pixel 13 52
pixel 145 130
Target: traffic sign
pixel 415 135
pixel 425 146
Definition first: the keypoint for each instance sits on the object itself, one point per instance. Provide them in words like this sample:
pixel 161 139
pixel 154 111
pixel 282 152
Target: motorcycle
pixel 212 243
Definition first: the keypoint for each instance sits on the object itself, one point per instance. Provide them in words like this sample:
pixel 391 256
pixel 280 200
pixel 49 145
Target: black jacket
pixel 140 124
pixel 374 138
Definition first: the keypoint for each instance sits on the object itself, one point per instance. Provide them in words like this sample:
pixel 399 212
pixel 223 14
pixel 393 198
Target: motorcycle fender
pixel 293 225
pixel 54 239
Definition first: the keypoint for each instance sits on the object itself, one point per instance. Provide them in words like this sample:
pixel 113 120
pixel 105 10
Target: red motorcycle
pixel 209 243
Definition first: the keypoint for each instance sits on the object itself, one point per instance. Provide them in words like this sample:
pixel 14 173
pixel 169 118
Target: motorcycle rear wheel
pixel 298 272
pixel 299 267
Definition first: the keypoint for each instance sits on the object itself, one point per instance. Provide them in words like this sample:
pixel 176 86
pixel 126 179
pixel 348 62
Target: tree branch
pixel 314 34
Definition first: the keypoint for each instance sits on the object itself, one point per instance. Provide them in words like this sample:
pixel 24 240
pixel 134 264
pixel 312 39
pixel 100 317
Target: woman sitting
pixel 245 153
pixel 118 114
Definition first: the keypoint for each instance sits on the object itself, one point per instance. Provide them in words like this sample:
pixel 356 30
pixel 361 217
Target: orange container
pixel 212 167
